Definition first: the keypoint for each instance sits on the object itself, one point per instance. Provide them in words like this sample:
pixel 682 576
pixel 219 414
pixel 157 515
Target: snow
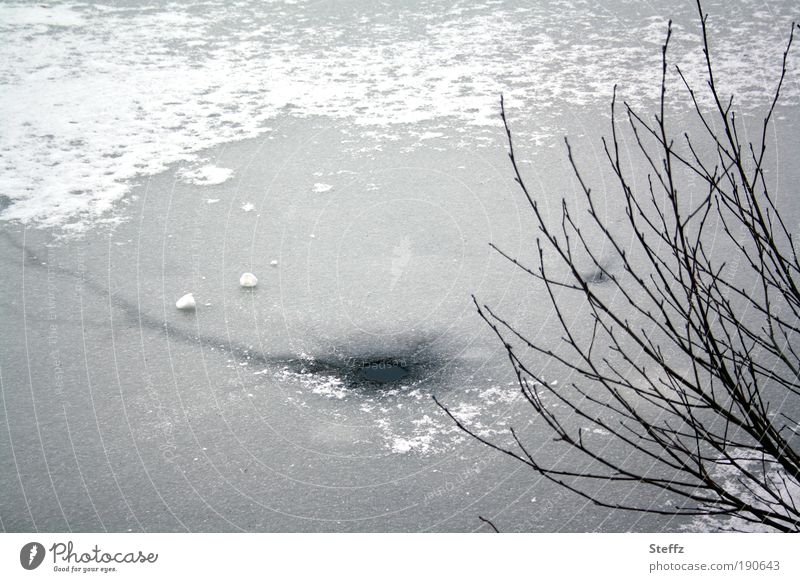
pixel 248 280
pixel 97 97
pixel 421 444
pixel 186 303
pixel 208 175
pixel 430 135
pixel 153 89
pixel 320 188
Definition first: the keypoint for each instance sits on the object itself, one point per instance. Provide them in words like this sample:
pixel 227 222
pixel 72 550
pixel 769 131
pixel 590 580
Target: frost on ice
pixel 248 280
pixel 320 188
pixel 208 175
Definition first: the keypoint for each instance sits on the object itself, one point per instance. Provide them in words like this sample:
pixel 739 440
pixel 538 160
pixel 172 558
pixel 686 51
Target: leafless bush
pixel 687 357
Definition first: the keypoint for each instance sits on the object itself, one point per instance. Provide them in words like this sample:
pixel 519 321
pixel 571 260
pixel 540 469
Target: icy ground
pixel 96 95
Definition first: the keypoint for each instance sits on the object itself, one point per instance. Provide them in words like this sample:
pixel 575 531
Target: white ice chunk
pixel 186 303
pixel 248 280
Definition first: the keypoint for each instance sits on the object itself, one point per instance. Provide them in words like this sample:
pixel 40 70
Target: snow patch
pixel 96 97
pixel 320 188
pixel 208 175
pixel 421 444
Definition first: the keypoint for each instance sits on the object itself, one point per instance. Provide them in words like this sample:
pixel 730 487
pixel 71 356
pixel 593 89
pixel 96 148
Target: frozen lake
pixel 350 155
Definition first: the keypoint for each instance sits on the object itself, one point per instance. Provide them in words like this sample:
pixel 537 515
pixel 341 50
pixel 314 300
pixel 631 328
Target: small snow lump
pixel 248 280
pixel 186 303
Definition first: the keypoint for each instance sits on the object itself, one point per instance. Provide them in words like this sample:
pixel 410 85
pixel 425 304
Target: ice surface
pixel 248 280
pixel 374 172
pixel 94 96
pixel 186 302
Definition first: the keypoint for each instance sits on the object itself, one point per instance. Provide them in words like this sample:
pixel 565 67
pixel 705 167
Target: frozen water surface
pixel 349 155
pixel 96 94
